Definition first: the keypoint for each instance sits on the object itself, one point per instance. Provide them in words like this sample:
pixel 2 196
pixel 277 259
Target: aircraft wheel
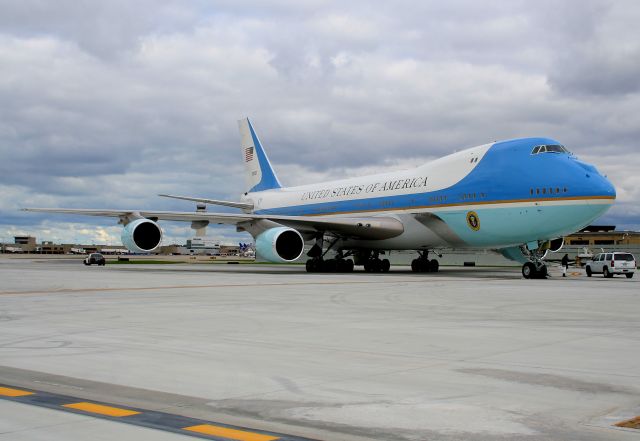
pixel 542 272
pixel 528 270
pixel 348 265
pixel 629 275
pixel 589 273
pixel 415 265
pixel 424 265
pixel 310 266
pixel 330 266
pixel 385 265
pixel 434 266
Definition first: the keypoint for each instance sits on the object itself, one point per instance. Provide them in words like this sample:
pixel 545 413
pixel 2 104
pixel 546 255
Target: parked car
pixel 612 263
pixel 94 258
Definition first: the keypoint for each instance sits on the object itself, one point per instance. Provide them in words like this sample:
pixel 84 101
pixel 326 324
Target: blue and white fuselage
pixel 517 196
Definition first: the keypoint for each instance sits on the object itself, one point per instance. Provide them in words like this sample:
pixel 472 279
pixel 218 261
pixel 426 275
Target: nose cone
pixel 602 186
pixel 595 183
pixel 609 189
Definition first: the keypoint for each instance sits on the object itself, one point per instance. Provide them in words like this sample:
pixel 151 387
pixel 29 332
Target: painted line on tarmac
pixel 145 418
pixel 247 285
pixel 633 423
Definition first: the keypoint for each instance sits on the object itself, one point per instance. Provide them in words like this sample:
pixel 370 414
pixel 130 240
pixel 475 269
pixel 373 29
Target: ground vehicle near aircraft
pixel 95 259
pixel 612 263
pixel 519 197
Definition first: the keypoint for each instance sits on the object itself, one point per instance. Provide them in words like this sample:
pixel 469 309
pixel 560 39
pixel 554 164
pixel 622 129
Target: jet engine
pixel 142 236
pixel 280 244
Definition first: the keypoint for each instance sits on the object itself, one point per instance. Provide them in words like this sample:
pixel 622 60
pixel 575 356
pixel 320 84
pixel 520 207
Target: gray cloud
pixel 110 103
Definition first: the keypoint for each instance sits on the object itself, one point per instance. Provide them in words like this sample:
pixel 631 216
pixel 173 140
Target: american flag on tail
pixel 248 154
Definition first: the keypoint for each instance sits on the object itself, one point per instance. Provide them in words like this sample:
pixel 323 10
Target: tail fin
pixel 259 174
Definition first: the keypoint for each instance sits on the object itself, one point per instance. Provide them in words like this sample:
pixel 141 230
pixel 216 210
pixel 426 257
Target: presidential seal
pixel 473 220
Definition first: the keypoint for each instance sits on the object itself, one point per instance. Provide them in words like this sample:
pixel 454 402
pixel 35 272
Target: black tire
pixel 589 272
pixel 385 265
pixel 424 265
pixel 330 266
pixel 310 266
pixel 606 274
pixel 367 266
pixel 348 266
pixel 629 275
pixel 415 266
pixel 528 270
pixel 86 264
pixel 542 272
pixel 434 266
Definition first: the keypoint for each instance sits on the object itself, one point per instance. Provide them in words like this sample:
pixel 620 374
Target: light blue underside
pixel 513 225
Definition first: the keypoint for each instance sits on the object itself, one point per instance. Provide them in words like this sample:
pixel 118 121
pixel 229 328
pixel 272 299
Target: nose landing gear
pixel 535 268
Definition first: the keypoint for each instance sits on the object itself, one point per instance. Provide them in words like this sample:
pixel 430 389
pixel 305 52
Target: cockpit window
pixel 549 148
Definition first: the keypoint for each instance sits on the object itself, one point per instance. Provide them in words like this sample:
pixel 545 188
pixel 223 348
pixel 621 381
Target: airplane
pixel 519 197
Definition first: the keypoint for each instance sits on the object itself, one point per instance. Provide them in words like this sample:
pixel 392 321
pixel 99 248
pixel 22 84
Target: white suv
pixel 612 263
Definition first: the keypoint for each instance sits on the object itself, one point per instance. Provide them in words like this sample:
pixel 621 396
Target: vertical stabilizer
pixel 258 173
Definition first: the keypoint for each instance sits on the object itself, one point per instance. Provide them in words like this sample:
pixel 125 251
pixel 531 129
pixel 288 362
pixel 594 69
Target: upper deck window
pixel 549 148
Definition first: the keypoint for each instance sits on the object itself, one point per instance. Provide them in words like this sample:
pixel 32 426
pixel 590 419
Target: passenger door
pixel 596 264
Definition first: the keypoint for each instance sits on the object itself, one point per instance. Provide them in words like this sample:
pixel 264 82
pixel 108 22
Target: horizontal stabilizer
pixel 242 205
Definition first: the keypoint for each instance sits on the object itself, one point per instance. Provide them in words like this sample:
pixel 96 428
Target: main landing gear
pixel 337 265
pixel 423 265
pixel 317 264
pixel 374 264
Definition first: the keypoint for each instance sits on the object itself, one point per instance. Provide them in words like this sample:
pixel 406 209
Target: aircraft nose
pixel 597 183
pixel 601 186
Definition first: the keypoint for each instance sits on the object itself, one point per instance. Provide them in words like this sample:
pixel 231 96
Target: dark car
pixel 94 259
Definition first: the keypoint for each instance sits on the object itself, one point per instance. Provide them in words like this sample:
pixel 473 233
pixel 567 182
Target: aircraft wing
pixel 367 227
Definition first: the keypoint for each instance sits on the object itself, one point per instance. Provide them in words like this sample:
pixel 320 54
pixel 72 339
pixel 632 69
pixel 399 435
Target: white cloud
pixel 110 103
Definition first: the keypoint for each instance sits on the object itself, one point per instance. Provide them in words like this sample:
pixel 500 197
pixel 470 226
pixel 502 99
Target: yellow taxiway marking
pixel 225 432
pixel 101 409
pixel 633 423
pixel 9 392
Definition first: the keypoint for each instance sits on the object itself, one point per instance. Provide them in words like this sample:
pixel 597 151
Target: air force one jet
pixel 519 197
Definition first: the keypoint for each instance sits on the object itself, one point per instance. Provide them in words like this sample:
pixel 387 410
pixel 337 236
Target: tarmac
pixel 267 352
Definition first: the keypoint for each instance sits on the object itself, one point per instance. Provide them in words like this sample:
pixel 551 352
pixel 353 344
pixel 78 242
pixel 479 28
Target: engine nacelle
pixel 142 236
pixel 280 244
pixel 556 245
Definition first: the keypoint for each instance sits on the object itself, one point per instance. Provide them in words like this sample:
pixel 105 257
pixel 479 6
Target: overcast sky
pixel 105 104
